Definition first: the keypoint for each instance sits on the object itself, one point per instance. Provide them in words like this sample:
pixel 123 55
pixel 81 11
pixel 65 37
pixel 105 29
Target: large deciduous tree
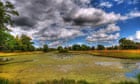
pixel 26 43
pixel 6 12
pixel 7 41
pixel 100 47
pixel 127 44
pixel 76 47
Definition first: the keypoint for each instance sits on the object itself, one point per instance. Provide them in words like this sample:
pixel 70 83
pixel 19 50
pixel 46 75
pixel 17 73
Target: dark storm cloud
pixel 92 17
pixel 24 22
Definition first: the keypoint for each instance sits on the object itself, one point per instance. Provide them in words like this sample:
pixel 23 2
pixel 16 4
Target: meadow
pixel 123 54
pixel 34 67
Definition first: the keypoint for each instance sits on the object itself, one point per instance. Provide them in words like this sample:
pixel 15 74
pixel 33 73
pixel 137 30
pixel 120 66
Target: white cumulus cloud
pixel 135 37
pixel 106 4
pixel 110 33
pixel 55 20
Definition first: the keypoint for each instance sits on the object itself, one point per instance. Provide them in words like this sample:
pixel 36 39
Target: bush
pixel 63 51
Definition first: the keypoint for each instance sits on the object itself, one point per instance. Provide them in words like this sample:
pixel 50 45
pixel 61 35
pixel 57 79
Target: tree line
pixel 124 44
pixel 24 43
pixel 11 43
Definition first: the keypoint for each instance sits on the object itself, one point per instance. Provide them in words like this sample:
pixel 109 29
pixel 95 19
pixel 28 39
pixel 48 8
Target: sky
pixel 68 22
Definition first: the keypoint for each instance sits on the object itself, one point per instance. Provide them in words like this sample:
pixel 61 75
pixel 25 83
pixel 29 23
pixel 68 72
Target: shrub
pixel 63 51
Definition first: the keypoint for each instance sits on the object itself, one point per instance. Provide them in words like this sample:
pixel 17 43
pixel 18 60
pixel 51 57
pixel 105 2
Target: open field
pixel 37 66
pixel 123 54
pixel 3 54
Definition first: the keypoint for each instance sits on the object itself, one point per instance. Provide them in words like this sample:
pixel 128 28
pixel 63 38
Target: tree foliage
pixel 6 11
pixel 127 44
pixel 11 43
pixel 7 41
pixel 62 50
pixel 76 47
pixel 85 47
pixel 45 48
pixel 100 47
pixel 26 43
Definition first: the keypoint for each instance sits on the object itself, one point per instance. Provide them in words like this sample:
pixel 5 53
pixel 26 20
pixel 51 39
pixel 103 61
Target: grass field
pixel 37 66
pixel 124 54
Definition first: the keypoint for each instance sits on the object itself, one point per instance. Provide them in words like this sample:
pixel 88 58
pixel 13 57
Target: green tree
pixel 61 49
pixel 26 43
pixel 127 44
pixel 100 47
pixel 45 48
pixel 10 43
pixel 3 38
pixel 76 47
pixel 18 44
pixel 6 11
pixel 7 41
pixel 85 47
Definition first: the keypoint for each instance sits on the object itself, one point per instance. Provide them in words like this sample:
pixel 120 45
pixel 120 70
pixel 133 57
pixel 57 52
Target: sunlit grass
pixel 125 54
pixel 50 66
pixel 3 54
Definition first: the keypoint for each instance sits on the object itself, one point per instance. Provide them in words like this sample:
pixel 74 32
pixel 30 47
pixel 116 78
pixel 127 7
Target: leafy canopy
pixel 6 11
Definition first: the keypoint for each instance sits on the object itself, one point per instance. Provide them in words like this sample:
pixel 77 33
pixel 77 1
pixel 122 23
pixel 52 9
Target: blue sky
pixel 67 22
pixel 128 27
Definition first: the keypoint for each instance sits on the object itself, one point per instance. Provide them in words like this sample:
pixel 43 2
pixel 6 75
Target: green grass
pixel 6 81
pixel 32 68
pixel 123 54
pixel 62 81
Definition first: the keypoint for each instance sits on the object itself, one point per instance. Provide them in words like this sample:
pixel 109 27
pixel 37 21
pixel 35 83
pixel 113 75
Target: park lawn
pixel 124 54
pixel 32 68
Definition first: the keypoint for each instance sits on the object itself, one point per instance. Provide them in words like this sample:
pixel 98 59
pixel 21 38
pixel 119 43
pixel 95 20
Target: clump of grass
pixel 6 81
pixel 64 81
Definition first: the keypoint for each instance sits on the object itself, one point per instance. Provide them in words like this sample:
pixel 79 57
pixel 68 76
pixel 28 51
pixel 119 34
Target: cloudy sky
pixel 66 22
